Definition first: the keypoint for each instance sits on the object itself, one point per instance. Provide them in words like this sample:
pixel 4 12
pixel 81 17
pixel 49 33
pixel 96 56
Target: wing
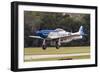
pixel 38 37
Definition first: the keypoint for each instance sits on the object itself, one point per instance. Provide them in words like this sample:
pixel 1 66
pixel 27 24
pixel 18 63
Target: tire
pixel 57 47
pixel 44 47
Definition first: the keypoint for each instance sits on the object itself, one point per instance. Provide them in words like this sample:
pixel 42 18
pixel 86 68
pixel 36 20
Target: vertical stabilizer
pixel 81 30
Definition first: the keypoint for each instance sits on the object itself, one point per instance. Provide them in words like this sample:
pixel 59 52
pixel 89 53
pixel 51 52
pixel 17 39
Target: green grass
pixel 53 50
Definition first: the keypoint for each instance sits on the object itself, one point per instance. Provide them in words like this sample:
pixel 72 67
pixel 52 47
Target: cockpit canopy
pixel 59 30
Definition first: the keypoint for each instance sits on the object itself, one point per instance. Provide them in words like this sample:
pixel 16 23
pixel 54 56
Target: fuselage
pixel 59 34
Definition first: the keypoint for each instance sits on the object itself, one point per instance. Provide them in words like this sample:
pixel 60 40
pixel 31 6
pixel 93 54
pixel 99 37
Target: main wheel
pixel 44 47
pixel 57 47
pixel 44 44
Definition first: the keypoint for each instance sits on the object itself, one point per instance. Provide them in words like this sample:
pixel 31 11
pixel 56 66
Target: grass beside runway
pixel 53 50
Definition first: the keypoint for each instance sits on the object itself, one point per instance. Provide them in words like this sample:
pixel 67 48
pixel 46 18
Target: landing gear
pixel 57 46
pixel 58 43
pixel 44 44
pixel 44 47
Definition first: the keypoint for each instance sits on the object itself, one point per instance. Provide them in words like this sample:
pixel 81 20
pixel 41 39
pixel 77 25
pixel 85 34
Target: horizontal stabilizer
pixel 38 37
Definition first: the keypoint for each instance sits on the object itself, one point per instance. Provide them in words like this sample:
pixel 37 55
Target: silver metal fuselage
pixel 64 36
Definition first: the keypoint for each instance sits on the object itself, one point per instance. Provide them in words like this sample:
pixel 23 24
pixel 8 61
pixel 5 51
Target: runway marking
pixel 30 57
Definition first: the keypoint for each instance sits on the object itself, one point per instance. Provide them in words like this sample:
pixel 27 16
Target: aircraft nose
pixel 37 32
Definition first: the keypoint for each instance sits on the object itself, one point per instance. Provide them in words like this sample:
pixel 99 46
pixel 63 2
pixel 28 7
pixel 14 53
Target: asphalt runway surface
pixel 31 57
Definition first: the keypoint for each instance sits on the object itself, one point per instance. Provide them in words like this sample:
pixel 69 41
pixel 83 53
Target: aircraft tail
pixel 81 31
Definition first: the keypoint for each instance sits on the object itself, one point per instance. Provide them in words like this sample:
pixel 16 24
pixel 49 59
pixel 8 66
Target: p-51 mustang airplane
pixel 59 35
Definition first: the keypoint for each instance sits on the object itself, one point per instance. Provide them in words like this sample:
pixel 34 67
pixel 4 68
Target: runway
pixel 31 57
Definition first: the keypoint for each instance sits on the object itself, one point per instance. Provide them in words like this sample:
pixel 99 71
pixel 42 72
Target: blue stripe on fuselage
pixel 43 33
